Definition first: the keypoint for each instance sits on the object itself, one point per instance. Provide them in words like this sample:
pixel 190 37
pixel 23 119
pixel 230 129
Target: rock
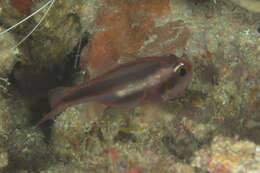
pixel 8 54
pixel 251 5
pixel 228 155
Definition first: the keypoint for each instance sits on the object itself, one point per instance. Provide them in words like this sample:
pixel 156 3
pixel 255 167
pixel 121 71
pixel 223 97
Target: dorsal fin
pixel 56 95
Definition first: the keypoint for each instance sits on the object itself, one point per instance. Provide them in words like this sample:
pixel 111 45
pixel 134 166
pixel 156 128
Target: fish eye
pixel 180 69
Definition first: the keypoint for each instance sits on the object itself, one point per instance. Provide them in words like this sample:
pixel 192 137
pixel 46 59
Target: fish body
pixel 144 80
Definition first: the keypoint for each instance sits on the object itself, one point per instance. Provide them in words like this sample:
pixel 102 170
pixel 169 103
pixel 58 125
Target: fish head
pixel 178 78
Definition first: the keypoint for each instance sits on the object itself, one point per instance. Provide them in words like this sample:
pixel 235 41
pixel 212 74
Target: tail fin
pixel 56 95
pixel 45 118
pixel 52 114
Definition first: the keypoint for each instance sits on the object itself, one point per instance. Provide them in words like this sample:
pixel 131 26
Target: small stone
pixel 3 159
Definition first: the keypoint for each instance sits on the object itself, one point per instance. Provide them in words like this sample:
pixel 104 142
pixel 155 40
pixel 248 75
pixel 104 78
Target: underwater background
pixel 212 127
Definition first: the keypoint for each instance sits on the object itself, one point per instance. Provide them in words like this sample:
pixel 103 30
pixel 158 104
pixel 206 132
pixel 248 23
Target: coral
pixel 8 56
pixel 229 156
pixel 27 150
pixel 19 144
pixel 58 46
pixel 13 113
pixel 3 159
pixel 126 30
pixel 71 134
pixel 60 167
pixel 22 5
pixel 186 134
pixel 251 5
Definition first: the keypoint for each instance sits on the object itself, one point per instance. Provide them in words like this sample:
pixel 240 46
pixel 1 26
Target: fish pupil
pixel 182 71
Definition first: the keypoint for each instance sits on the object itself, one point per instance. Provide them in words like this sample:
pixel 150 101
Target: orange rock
pixel 132 170
pixel 127 25
pixel 170 36
pixel 22 6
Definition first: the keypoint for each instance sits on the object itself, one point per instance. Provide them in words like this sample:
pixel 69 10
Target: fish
pixel 140 81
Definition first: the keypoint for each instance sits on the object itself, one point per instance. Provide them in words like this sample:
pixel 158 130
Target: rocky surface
pixel 213 127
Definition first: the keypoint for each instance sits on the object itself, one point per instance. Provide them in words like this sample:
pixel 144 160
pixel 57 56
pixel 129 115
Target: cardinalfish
pixel 144 80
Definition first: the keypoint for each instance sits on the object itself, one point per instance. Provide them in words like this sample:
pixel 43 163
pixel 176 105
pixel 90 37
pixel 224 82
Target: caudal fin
pixel 52 114
pixel 46 117
pixel 56 95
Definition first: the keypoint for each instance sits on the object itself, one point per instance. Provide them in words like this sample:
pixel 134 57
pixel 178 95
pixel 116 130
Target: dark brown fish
pixel 149 79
